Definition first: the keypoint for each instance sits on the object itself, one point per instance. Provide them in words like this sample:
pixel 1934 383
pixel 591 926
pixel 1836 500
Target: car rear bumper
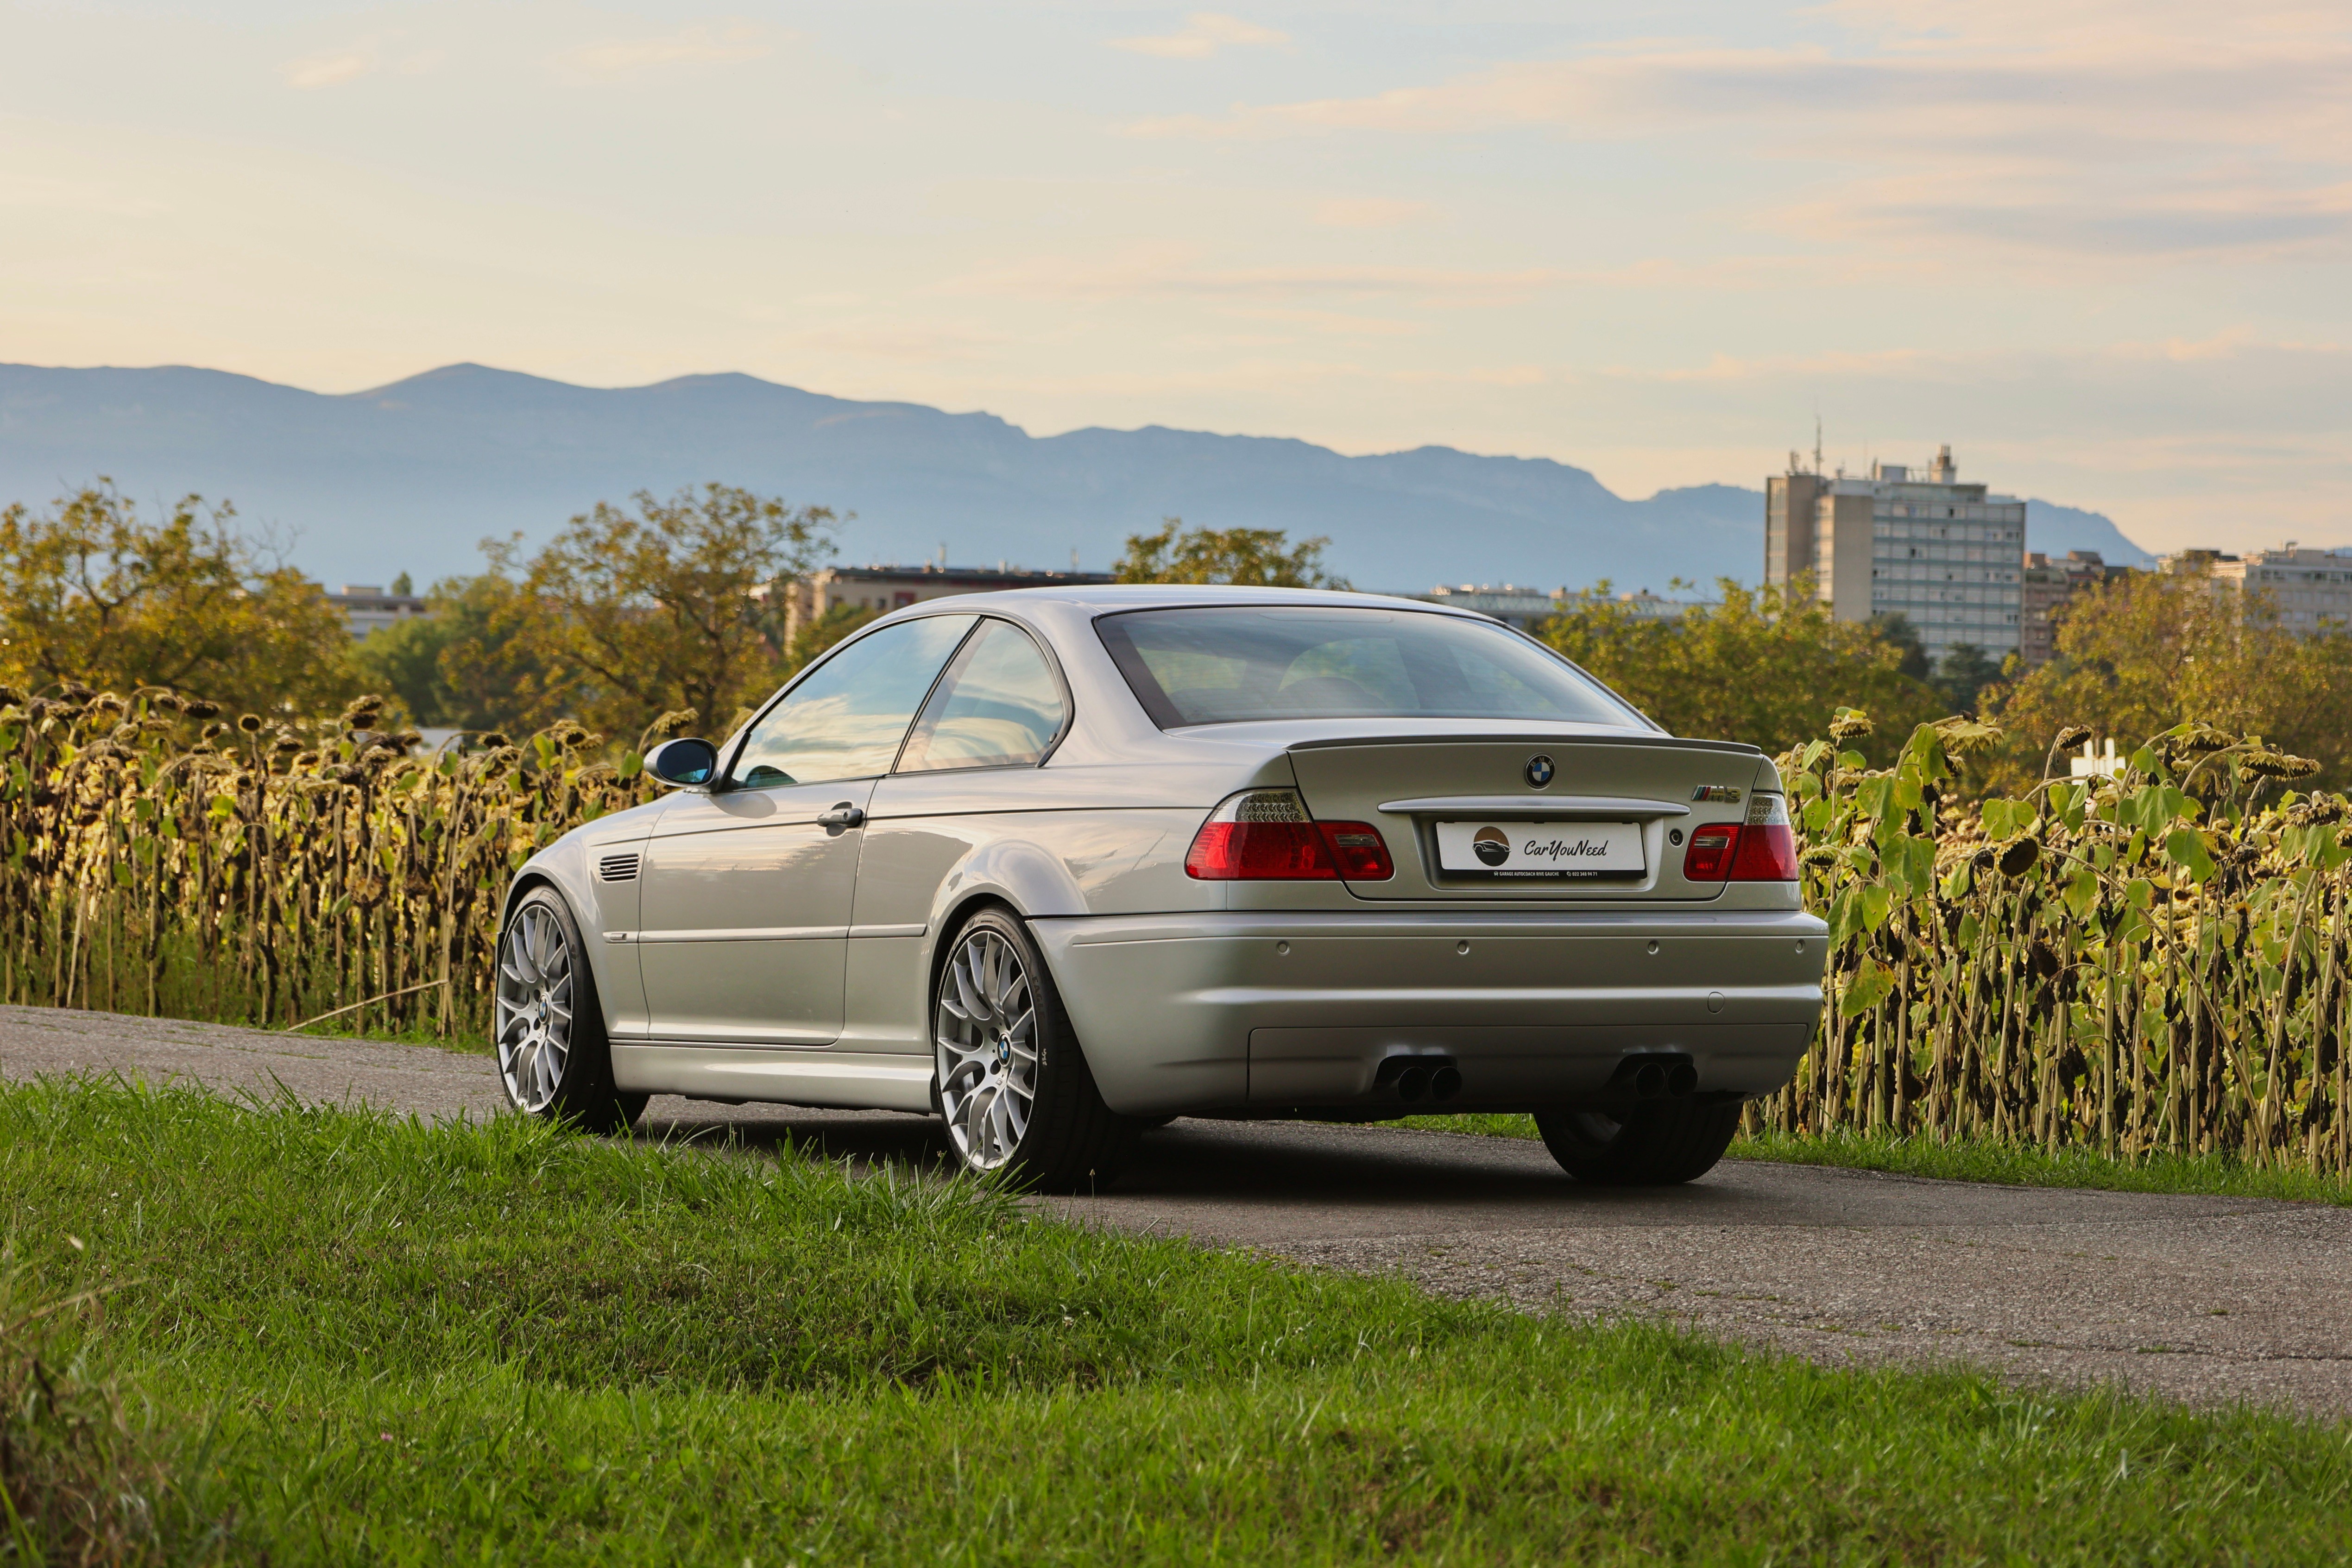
pixel 1275 1012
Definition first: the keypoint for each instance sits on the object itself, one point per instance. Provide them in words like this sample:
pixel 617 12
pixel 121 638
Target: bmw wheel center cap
pixel 1538 771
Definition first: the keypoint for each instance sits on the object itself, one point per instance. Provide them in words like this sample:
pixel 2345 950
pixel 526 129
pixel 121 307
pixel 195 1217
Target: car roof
pixel 1104 598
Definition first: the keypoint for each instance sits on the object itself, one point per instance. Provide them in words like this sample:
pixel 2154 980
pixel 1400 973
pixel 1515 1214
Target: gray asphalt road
pixel 2213 1299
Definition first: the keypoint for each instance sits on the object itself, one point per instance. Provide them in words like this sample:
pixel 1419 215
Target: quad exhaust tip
pixel 1658 1077
pixel 1418 1078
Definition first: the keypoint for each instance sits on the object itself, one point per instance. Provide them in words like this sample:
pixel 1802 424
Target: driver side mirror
pixel 686 763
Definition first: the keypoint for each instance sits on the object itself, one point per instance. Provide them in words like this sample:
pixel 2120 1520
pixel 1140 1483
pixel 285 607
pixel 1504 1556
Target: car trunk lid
pixel 1533 817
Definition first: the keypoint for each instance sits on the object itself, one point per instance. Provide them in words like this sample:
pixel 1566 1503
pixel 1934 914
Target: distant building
pixel 1649 606
pixel 2046 589
pixel 2096 764
pixel 2309 591
pixel 888 588
pixel 367 608
pixel 1948 556
pixel 1522 607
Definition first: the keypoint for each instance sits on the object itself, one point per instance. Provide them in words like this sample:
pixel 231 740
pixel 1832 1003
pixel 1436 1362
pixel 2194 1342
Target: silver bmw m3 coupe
pixel 1056 865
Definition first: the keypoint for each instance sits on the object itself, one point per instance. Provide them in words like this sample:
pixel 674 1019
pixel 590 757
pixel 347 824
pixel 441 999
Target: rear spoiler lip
pixel 1522 737
pixel 1590 808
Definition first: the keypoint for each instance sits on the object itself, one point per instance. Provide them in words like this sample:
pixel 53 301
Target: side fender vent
pixel 617 868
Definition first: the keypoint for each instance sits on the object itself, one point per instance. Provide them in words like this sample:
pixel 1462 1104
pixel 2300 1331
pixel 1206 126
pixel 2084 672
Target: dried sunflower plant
pixel 157 857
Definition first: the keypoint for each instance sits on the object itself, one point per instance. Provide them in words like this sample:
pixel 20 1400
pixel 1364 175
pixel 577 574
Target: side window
pixel 846 720
pixel 1000 707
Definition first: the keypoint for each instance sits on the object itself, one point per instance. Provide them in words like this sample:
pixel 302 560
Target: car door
pixel 973 755
pixel 748 887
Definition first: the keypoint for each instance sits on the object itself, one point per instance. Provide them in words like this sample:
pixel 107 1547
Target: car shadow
pixel 861 1138
pixel 1199 1166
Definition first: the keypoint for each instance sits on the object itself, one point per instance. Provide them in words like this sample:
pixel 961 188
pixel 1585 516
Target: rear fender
pixel 1010 871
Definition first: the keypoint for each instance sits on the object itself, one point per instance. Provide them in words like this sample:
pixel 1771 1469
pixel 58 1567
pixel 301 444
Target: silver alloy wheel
pixel 985 1040
pixel 534 1016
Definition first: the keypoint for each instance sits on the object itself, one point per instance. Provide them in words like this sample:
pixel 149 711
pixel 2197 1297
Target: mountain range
pixel 408 477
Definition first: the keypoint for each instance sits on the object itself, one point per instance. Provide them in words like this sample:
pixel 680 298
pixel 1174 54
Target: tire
pixel 1007 1074
pixel 1657 1146
pixel 555 1061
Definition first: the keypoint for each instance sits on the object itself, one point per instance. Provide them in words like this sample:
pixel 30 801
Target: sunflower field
pixel 2153 960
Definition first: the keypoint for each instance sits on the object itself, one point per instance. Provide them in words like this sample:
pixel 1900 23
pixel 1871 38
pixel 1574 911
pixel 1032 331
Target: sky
pixel 2101 247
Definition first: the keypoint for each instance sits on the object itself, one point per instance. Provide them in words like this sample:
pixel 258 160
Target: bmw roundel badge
pixel 1538 771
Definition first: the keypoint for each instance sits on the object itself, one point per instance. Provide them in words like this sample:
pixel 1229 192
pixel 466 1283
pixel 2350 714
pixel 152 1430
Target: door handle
pixel 842 816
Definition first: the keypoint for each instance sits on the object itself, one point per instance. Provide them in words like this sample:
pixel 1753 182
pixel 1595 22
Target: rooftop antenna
pixel 1817 442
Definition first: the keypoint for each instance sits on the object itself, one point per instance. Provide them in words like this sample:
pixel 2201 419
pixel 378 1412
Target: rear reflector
pixel 1762 850
pixel 1362 854
pixel 1709 855
pixel 1266 835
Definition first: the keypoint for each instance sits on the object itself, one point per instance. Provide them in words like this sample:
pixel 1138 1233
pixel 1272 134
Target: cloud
pixel 1369 212
pixel 909 342
pixel 330 68
pixel 703 44
pixel 1172 272
pixel 1205 32
pixel 1332 323
pixel 2085 126
pixel 1166 273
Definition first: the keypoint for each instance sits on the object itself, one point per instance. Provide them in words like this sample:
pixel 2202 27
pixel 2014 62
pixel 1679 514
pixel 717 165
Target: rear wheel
pixel 554 1060
pixel 1011 1082
pixel 1657 1144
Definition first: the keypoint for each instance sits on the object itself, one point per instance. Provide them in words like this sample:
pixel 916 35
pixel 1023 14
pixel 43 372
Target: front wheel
pixel 1657 1144
pixel 554 1061
pixel 1011 1082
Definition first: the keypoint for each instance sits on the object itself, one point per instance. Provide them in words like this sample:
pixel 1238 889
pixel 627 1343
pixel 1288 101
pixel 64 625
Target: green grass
pixel 470 1044
pixel 375 1341
pixel 2220 1175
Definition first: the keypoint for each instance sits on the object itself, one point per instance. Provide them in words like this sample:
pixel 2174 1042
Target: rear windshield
pixel 1231 663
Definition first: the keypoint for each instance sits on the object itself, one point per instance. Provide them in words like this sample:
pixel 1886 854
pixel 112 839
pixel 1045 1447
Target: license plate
pixel 1552 850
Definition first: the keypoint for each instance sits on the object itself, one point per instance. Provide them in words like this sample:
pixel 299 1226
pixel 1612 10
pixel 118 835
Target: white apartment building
pixel 1948 557
pixel 2309 591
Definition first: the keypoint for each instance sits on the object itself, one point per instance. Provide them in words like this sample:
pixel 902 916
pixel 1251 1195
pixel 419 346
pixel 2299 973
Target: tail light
pixel 1767 849
pixel 1762 849
pixel 1266 835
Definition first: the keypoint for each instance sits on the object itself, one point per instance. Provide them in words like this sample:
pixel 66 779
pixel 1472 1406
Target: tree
pixel 813 639
pixel 1260 556
pixel 91 590
pixel 1894 628
pixel 1962 676
pixel 475 661
pixel 2145 652
pixel 1766 666
pixel 627 615
pixel 403 660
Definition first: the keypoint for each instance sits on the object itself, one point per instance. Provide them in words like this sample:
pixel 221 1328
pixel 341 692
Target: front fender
pixel 601 908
